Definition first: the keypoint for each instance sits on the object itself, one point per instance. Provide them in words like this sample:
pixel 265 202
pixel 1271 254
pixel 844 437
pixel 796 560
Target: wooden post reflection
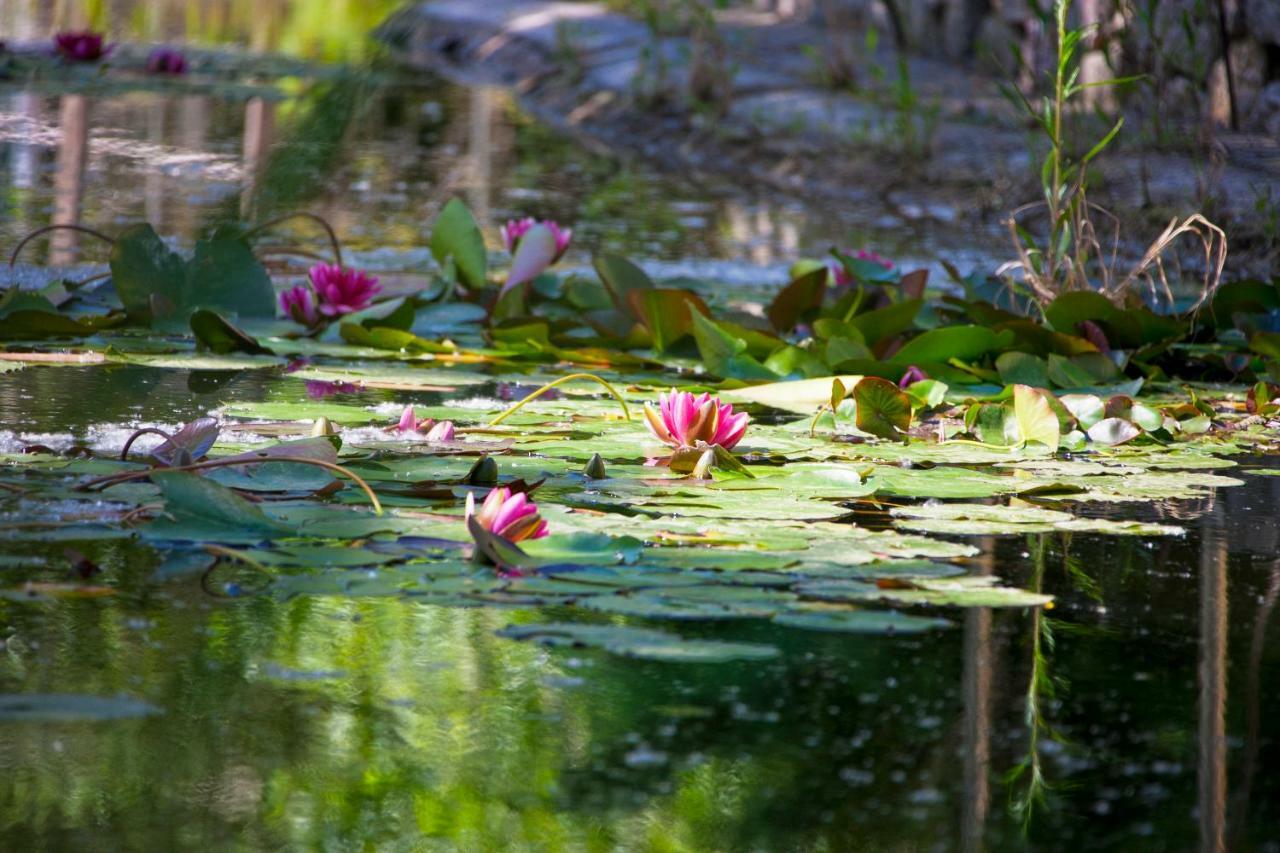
pixel 193 133
pixel 1253 712
pixel 68 180
pixel 153 183
pixel 480 151
pixel 976 691
pixel 259 129
pixel 1211 767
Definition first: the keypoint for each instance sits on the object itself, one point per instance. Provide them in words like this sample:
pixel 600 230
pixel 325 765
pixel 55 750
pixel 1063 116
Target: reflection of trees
pixel 68 181
pixel 1211 765
pixel 332 30
pixel 1239 812
pixel 979 666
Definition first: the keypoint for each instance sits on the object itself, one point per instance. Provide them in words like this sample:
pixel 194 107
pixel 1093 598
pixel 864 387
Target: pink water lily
pixel 342 290
pixel 299 304
pixel 517 228
pixel 513 517
pixel 433 430
pixel 166 60
pixel 841 275
pixel 320 389
pixel 912 376
pixel 83 46
pixel 683 420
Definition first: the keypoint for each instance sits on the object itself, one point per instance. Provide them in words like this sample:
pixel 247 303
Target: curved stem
pixel 969 443
pixel 228 553
pixel 13 258
pixel 289 251
pixel 233 554
pixel 813 427
pixel 113 479
pixel 97 277
pixel 333 238
pixel 626 413
pixel 124 451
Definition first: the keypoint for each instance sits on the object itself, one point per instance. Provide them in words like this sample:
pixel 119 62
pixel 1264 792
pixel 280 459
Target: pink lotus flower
pixel 912 376
pixel 842 276
pixel 80 46
pixel 298 303
pixel 683 420
pixel 517 228
pixel 342 290
pixel 434 430
pixel 166 60
pixel 513 517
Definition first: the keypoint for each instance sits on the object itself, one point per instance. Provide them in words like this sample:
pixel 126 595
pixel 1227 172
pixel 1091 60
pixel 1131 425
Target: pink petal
pixel 408 420
pixel 512 509
pixel 492 506
pixel 732 430
pixel 442 431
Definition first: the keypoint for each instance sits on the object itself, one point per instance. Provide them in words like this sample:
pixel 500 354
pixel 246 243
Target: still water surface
pixel 338 723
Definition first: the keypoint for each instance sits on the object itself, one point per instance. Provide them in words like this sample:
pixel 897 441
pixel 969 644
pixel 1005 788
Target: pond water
pixel 164 709
pixel 343 722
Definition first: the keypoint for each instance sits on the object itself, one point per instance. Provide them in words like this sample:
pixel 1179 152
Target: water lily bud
pixel 483 473
pixel 594 469
pixel 323 426
pixel 706 462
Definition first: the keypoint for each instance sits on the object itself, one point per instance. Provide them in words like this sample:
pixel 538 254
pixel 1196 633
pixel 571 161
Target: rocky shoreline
pixel 590 72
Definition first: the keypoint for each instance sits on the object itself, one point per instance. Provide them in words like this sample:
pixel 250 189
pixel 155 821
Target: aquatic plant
pixel 166 60
pixel 432 429
pixel 342 290
pixel 1069 254
pixel 515 230
pixel 683 420
pixel 512 516
pixel 80 46
pixel 913 375
pixel 299 304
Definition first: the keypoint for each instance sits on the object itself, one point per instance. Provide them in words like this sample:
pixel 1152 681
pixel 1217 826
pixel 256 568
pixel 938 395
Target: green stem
pixel 271 223
pixel 563 379
pixel 113 479
pixel 13 259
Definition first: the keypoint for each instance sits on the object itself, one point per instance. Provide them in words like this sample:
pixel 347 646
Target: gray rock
pixel 1266 111
pixel 1249 70
pixel 1262 17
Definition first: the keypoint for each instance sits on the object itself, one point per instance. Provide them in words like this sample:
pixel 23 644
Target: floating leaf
pixel 882 408
pixel 198 510
pixel 1112 431
pixel 1036 419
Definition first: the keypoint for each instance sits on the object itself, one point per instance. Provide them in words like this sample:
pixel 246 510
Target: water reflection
pixel 378 154
pixel 351 722
pixel 1211 770
pixel 68 184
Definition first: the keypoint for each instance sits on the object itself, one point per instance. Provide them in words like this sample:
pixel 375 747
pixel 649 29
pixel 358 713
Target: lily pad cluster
pixel 516 478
